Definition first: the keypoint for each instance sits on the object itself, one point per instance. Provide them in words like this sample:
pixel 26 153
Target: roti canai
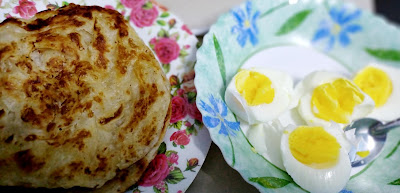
pixel 82 98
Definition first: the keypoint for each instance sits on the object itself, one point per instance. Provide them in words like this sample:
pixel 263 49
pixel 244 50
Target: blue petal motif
pixel 352 16
pixel 239 16
pixel 336 13
pixel 218 112
pixel 345 191
pixel 344 39
pixel 223 130
pixel 242 37
pixel 213 102
pixel 246 26
pixel 321 33
pixel 254 20
pixel 353 28
pixel 233 125
pixel 210 122
pixel 249 4
pixel 224 109
pixel 253 38
pixel 339 28
pixel 207 108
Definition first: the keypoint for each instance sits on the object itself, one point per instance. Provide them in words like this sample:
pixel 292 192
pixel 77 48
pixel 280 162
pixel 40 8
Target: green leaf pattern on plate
pixel 220 59
pixel 274 9
pixel 393 151
pixel 270 182
pixel 164 14
pixel 396 182
pixel 293 22
pixel 161 22
pixel 162 148
pixel 384 54
pixel 175 176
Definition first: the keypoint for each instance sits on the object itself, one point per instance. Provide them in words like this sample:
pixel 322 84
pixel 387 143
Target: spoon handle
pixel 381 129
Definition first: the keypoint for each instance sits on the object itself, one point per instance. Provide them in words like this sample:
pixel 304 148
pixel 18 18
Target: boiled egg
pixel 327 96
pixel 266 139
pixel 259 95
pixel 316 157
pixel 382 84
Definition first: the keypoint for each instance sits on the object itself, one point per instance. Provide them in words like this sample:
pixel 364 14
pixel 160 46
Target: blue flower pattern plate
pixel 343 34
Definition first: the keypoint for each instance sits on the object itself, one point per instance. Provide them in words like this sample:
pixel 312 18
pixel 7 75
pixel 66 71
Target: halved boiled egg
pixel 266 139
pixel 316 157
pixel 259 95
pixel 327 96
pixel 382 84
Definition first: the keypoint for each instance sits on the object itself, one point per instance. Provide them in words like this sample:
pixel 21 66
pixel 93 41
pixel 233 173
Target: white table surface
pixel 215 175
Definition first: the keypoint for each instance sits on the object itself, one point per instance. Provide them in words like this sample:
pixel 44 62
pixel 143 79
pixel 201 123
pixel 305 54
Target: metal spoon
pixel 368 137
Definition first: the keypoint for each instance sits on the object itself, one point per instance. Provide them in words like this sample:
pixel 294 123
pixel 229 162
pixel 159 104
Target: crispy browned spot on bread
pixel 102 163
pixel 30 138
pixel 78 140
pixel 29 115
pixel 27 161
pixel 4 50
pixel 50 127
pixel 9 139
pixel 75 38
pixel 100 45
pixel 108 119
pixel 25 64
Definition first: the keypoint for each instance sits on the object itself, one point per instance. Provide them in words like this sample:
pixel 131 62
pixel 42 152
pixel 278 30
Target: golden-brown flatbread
pixel 82 98
pixel 122 181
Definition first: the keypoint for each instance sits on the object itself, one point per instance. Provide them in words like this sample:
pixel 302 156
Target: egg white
pixel 282 83
pixel 391 109
pixel 266 139
pixel 304 91
pixel 325 180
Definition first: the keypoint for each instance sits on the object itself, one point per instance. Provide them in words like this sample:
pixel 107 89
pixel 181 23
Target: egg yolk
pixel 256 88
pixel 363 153
pixel 314 147
pixel 376 83
pixel 336 100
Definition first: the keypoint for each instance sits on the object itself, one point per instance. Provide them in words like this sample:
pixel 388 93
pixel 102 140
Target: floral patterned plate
pixel 186 143
pixel 297 38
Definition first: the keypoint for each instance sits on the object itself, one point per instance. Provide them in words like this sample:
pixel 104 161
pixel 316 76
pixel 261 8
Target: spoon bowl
pixel 367 136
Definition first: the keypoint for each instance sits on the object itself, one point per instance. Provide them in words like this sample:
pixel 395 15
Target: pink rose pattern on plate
pixel 179 109
pixel 156 172
pixel 162 171
pixel 144 16
pixel 180 138
pixel 133 4
pixel 166 49
pixel 186 121
pixel 25 9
